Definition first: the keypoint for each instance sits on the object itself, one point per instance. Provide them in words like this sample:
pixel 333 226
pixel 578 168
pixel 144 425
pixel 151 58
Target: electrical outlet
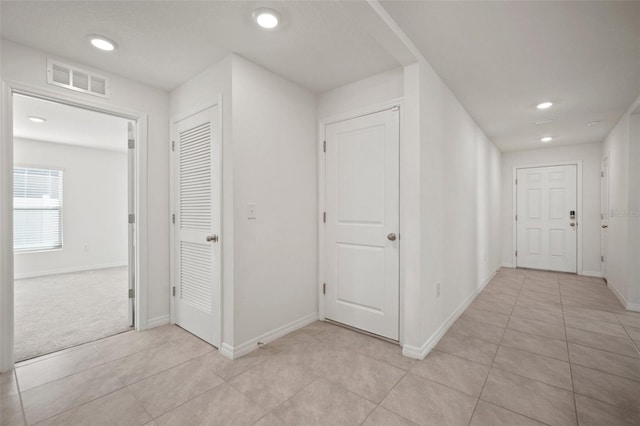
pixel 438 290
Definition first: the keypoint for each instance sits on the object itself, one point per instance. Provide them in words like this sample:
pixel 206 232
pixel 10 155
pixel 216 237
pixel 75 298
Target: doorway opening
pixel 73 228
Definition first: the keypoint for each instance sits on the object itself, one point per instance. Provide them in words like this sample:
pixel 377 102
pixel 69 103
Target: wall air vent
pixel 77 79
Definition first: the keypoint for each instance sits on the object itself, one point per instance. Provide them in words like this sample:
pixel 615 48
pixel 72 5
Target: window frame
pixel 60 209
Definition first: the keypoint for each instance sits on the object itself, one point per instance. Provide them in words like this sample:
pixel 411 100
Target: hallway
pixel 533 348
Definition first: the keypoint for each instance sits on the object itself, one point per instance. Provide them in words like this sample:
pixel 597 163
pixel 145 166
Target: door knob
pixel 572 224
pixel 604 226
pixel 391 237
pixel 213 238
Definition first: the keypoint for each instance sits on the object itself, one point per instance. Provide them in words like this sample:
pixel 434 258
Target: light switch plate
pixel 252 210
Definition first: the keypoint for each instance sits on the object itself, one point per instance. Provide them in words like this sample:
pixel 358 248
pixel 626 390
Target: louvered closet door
pixel 197 225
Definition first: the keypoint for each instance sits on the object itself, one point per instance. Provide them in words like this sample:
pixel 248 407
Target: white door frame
pixel 578 164
pixel 172 200
pixel 9 88
pixel 322 123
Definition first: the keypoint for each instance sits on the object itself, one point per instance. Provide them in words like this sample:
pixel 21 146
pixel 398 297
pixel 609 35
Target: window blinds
pixel 37 209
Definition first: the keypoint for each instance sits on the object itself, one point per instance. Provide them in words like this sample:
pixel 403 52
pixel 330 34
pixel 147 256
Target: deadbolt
pixel 213 238
pixel 391 237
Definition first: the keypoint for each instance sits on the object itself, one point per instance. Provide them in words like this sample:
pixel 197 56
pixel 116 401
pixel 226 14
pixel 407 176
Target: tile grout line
pixel 497 349
pixel 573 389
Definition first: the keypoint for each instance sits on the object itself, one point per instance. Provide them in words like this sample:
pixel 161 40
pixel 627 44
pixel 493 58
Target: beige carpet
pixel 59 311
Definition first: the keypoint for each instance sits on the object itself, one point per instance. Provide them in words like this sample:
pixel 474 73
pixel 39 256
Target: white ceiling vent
pixel 74 78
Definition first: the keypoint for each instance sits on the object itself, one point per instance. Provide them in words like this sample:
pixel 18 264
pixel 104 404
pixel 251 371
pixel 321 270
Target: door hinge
pixel 173 290
pixel 516 217
pixel 324 146
pixel 132 293
pixel 516 253
pixel 132 218
pixel 132 143
pixel 173 145
pixel 601 258
pixel 324 288
pixel 516 181
pixel 173 218
pixel 601 174
pixel 324 217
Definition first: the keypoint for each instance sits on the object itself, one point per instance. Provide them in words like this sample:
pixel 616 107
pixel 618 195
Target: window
pixel 37 209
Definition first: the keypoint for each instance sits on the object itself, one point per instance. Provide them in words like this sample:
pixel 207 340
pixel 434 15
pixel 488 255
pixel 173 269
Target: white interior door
pixel 546 231
pixel 362 222
pixel 131 272
pixel 197 224
pixel 604 214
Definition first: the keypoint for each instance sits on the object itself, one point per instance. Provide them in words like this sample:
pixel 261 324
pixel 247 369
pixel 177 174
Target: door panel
pixel 545 236
pixel 362 202
pixel 197 225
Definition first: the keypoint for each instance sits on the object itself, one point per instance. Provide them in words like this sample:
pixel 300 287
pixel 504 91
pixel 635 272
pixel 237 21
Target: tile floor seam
pixel 573 389
pixel 494 355
pixel 19 394
pixel 140 403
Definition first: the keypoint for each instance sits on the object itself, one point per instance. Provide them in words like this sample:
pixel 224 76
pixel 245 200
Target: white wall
pixel 269 157
pixel 460 189
pixel 275 255
pixel 589 217
pixel 623 245
pixel 27 66
pixel 363 93
pixel 94 207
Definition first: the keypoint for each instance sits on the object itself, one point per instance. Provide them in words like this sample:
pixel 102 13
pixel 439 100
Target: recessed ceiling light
pixel 546 139
pixel 594 123
pixel 544 105
pixel 266 18
pixel 37 119
pixel 102 42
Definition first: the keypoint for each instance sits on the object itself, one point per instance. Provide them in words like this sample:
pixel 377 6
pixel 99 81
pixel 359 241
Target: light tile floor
pixel 534 348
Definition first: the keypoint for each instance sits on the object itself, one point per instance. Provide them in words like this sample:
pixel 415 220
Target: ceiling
pixel 68 125
pixel 502 58
pixel 164 43
pixel 499 58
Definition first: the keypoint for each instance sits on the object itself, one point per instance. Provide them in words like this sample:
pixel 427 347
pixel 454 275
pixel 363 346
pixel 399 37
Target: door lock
pixel 572 224
pixel 391 237
pixel 212 238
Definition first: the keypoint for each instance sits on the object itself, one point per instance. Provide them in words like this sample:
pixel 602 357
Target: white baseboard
pixel 235 352
pixel 67 270
pixel 422 351
pixel 635 307
pixel 158 321
pixel 597 274
pixel 619 295
pixel 507 265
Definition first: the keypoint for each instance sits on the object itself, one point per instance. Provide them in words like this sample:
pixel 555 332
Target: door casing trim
pixel 578 164
pixel 322 123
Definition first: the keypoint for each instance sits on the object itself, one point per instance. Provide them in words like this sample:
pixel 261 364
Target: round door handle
pixel 604 226
pixel 572 224
pixel 391 237
pixel 213 238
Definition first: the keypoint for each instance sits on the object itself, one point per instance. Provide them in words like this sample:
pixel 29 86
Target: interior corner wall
pixel 460 192
pixel 95 196
pixel 202 90
pixel 589 217
pixel 623 245
pixel 275 166
pixel 27 66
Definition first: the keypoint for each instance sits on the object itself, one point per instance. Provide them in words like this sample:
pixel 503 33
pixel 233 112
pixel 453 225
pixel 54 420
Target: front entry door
pixel 547 218
pixel 197 224
pixel 362 222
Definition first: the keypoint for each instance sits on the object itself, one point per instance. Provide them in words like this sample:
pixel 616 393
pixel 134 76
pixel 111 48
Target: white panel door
pixel 546 232
pixel 362 223
pixel 131 203
pixel 604 215
pixel 197 224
